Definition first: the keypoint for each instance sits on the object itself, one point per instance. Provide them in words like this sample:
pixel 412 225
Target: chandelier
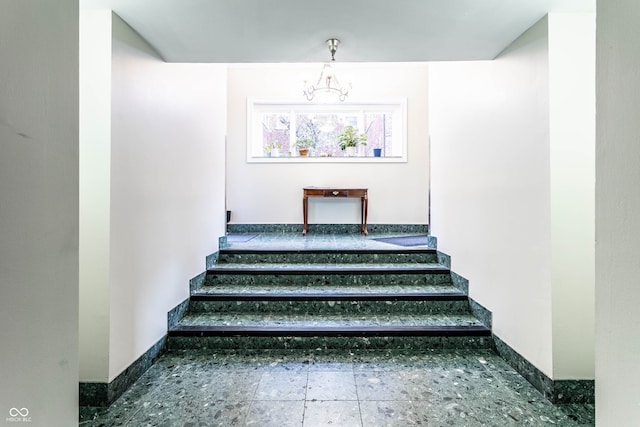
pixel 327 81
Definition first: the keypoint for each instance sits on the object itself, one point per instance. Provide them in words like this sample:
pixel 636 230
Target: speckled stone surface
pixel 558 391
pixel 197 282
pixel 481 313
pixel 460 282
pixel 102 394
pixel 408 299
pixel 444 259
pixel 327 308
pixel 296 241
pixel 330 343
pixel 353 389
pixel 328 276
pixel 389 256
pixel 177 313
pixel 328 228
pixel 211 259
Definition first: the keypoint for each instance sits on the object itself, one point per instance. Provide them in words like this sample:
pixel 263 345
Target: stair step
pixel 303 320
pixel 331 306
pixel 259 288
pixel 329 332
pixel 331 295
pixel 328 274
pixel 312 331
pixel 311 256
pixel 323 268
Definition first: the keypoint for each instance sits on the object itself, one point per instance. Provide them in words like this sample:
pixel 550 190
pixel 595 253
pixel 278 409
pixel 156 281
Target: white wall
pixel 167 187
pixel 39 211
pixel 617 219
pixel 165 192
pixel 95 193
pixel 513 188
pixel 272 193
pixel 491 188
pixel 572 155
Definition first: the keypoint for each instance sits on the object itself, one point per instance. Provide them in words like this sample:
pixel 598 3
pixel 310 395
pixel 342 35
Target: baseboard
pixel 327 228
pixel 197 282
pixel 177 313
pixel 103 394
pixel 211 259
pixel 460 282
pixel 481 313
pixel 556 391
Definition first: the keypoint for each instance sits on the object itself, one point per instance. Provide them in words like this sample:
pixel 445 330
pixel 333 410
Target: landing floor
pixel 432 388
pixel 296 241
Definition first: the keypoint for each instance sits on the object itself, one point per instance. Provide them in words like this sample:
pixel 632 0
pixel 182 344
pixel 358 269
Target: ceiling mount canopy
pixel 327 81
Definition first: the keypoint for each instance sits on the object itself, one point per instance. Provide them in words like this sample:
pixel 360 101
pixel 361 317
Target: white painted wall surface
pixel 95 193
pixel 491 188
pixel 617 218
pixel 167 188
pixel 39 211
pixel 572 155
pixel 516 213
pixel 272 193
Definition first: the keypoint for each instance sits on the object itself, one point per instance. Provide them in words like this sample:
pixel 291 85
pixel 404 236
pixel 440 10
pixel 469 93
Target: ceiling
pixel 268 31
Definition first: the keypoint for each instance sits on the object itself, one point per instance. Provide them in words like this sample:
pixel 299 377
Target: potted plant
pixel 273 149
pixel 350 138
pixel 304 145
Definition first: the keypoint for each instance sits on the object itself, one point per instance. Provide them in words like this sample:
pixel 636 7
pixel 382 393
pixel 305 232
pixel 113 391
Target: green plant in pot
pixel 273 149
pixel 304 145
pixel 350 139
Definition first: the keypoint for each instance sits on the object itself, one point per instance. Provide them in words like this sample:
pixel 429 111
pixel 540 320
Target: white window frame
pixel 254 129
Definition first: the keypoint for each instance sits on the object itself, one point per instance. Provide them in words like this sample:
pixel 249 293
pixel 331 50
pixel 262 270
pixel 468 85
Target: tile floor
pixel 431 388
pixel 188 388
pixel 297 241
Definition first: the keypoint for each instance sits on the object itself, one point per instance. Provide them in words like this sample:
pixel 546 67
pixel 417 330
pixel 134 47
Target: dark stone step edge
pixel 443 296
pixel 337 331
pixel 391 251
pixel 328 270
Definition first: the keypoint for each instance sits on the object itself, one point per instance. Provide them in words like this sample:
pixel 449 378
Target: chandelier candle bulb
pixel 327 81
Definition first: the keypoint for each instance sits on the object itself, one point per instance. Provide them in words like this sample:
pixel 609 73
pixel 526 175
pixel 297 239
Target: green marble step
pixel 309 331
pixel 352 274
pixel 330 299
pixel 326 256
pixel 338 343
pixel 330 268
pixel 284 291
pixel 309 320
pixel 354 306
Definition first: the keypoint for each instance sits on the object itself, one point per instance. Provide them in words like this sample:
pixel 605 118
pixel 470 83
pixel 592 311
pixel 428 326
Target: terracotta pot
pixel 304 152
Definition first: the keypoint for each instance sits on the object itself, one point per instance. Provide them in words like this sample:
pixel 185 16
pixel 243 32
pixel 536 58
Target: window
pixel 275 127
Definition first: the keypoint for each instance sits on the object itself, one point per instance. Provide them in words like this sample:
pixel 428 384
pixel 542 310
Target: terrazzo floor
pixel 432 388
pixel 296 241
pixel 188 388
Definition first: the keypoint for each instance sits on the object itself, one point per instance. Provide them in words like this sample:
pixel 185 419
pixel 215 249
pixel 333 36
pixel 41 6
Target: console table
pixel 335 192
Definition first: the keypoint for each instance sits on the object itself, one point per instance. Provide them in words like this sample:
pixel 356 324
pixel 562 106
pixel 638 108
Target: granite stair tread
pixel 310 325
pixel 327 292
pixel 358 268
pixel 309 251
pixel 369 320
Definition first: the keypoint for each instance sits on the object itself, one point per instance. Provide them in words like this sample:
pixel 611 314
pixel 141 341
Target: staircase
pixel 328 299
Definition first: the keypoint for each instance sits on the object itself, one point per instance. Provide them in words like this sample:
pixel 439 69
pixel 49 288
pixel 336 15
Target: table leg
pixel 364 211
pixel 305 202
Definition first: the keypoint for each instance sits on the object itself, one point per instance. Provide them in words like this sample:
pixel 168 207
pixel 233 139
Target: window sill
pixel 318 159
